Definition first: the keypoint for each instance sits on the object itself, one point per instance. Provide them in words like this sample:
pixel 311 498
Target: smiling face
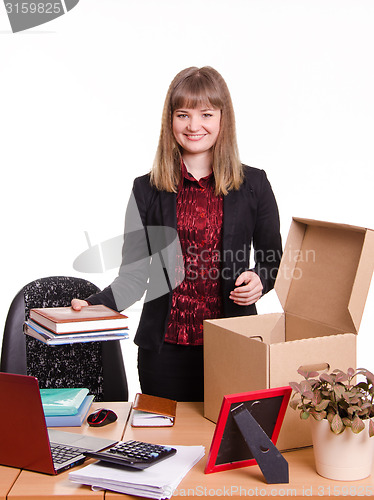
pixel 196 129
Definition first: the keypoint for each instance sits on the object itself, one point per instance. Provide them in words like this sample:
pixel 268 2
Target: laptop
pixel 25 441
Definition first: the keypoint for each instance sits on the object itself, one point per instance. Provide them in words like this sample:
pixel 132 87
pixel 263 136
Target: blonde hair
pixel 192 88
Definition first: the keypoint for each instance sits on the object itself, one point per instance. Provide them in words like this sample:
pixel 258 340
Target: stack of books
pixel 64 325
pixel 65 407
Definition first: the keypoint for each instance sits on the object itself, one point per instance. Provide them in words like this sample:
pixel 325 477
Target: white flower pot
pixel 343 457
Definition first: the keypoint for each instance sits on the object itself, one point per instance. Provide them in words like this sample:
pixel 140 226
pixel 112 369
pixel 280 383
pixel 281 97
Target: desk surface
pixel 193 429
pixel 8 476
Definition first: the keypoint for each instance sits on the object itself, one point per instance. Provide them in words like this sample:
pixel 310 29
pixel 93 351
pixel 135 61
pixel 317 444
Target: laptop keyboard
pixel 62 453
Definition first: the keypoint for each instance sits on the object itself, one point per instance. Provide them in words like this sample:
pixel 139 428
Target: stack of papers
pixel 144 419
pixel 157 481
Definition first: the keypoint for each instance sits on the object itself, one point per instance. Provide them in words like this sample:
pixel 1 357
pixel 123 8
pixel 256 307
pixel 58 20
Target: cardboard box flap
pixel 330 225
pixel 362 281
pixel 268 329
pixel 289 260
pixel 324 272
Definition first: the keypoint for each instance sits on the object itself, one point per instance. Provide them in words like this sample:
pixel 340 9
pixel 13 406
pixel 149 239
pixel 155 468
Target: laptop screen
pixel 24 441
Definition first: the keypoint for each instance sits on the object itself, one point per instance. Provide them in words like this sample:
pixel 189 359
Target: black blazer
pixel 250 219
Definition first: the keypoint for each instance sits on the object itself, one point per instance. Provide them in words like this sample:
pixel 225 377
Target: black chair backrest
pixel 95 365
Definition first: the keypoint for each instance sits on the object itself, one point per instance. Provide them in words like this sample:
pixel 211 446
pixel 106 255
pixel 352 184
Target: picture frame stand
pixel 272 464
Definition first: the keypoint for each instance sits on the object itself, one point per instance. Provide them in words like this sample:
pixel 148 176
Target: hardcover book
pixel 89 318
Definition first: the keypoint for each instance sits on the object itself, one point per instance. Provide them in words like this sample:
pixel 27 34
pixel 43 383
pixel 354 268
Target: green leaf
pixel 347 422
pixel 352 409
pixel 304 415
pixel 295 386
pixel 308 395
pixel 370 377
pixel 339 390
pixel 354 400
pixel 371 428
pixel 363 413
pixel 366 405
pixel 294 403
pixel 341 377
pixel 326 378
pixel 337 425
pixel 317 395
pixel 350 372
pixel 330 416
pixel 306 374
pixel 357 425
pixel 305 386
pixel 318 415
pixel 322 405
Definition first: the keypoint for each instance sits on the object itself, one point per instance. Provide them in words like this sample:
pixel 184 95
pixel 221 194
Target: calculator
pixel 135 454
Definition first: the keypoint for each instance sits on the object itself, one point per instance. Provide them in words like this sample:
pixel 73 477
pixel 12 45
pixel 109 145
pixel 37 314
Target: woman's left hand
pixel 250 290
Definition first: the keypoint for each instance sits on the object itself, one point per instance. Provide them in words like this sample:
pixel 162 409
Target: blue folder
pixel 71 420
pixel 62 401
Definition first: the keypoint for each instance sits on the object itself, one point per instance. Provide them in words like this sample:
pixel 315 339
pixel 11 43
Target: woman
pixel 218 208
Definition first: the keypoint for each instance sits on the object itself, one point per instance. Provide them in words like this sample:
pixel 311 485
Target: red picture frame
pixel 228 449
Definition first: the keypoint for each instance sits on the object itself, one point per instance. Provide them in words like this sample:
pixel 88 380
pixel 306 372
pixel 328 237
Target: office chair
pixel 95 365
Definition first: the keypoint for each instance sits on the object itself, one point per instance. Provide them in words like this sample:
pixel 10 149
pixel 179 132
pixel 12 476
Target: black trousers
pixel 177 372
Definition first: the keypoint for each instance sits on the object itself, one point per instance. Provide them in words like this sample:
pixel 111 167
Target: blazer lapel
pixel 170 246
pixel 230 203
pixel 168 205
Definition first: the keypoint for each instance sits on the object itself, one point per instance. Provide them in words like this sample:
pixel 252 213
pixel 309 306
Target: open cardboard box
pixel 322 284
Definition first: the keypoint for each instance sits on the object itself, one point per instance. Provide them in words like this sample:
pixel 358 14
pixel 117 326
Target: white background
pixel 81 100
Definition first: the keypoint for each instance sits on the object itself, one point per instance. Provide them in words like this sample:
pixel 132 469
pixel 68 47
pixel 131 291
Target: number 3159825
pixel 33 8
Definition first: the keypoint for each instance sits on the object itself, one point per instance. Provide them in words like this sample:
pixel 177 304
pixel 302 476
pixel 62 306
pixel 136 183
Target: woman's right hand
pixel 77 304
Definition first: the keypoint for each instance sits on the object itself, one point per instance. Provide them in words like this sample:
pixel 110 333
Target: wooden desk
pixel 34 486
pixel 8 476
pixel 191 428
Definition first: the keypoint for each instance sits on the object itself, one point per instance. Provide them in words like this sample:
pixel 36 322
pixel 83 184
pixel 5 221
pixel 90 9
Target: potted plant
pixel 341 405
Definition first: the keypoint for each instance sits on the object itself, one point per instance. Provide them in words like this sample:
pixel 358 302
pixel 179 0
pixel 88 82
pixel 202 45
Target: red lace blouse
pixel 199 226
